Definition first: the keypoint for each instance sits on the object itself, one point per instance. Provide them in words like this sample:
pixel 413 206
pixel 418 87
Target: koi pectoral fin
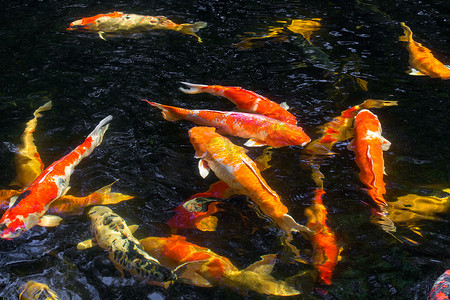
pixel 100 34
pixel 133 228
pixel 284 105
pixel 253 143
pixel 86 244
pixel 189 273
pixel 203 168
pixel 415 72
pixel 49 221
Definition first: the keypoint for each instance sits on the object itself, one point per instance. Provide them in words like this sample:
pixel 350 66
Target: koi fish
pixel 28 162
pixel 245 100
pixel 67 205
pixel 340 128
pixel 118 22
pixel 111 233
pixel 326 251
pixel 231 165
pixel 206 268
pixel 421 61
pixel 197 211
pixel 261 130
pixel 441 287
pixel 368 146
pixel 304 27
pixel 33 290
pixel 33 202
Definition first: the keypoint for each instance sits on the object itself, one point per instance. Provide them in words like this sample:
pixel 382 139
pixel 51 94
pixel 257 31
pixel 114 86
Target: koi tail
pixel 105 196
pixel 408 34
pixel 193 88
pixel 257 277
pixel 191 29
pixel 99 131
pixel 167 113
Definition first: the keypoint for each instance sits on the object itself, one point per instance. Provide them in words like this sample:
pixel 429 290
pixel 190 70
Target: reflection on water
pixel 353 56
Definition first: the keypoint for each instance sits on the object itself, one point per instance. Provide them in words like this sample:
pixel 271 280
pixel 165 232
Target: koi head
pixel 200 137
pixel 13 227
pixel 91 23
pixel 367 117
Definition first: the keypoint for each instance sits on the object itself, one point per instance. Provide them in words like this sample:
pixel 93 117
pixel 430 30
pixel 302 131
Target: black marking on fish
pixel 20 197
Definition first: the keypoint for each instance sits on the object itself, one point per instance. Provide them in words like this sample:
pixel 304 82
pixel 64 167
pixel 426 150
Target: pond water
pixel 88 78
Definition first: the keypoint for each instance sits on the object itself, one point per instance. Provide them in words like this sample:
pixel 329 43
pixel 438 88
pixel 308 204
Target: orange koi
pixel 33 202
pixel 231 165
pixel 205 268
pixel 197 210
pixel 326 251
pixel 260 129
pixel 245 100
pixel 340 128
pixel 118 22
pixel 28 162
pixel 421 61
pixel 368 146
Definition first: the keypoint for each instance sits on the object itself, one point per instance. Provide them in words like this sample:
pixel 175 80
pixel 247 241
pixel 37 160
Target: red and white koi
pixel 33 202
pixel 121 23
pixel 245 100
pixel 368 146
pixel 260 129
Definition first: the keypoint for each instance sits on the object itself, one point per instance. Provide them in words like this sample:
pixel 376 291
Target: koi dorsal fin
pixel 258 175
pixel 263 266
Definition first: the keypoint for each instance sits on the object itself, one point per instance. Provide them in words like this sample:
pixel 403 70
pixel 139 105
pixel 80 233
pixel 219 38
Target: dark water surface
pixel 88 78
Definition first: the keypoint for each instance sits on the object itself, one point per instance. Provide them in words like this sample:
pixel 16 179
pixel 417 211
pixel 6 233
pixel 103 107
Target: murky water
pixel 88 78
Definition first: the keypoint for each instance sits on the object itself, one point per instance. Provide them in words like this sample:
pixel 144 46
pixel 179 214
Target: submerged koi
pixel 340 128
pixel 261 130
pixel 33 202
pixel 33 290
pixel 28 162
pixel 304 27
pixel 231 165
pixel 368 146
pixel 111 233
pixel 118 22
pixel 245 100
pixel 205 268
pixel 421 61
pixel 326 250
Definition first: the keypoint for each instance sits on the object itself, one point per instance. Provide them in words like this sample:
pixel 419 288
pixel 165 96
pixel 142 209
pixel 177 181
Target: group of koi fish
pixel 42 200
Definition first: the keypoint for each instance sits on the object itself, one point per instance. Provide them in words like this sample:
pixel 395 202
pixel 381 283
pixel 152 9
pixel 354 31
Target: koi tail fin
pixel 107 197
pixel 193 88
pixel 99 131
pixel 166 112
pixel 45 107
pixel 408 34
pixel 257 277
pixel 191 29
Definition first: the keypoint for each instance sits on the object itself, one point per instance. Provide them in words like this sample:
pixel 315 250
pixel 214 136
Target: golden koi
pixel 111 233
pixel 304 27
pixel 120 23
pixel 260 129
pixel 231 165
pixel 245 100
pixel 33 202
pixel 33 290
pixel 368 146
pixel 28 162
pixel 326 250
pixel 205 268
pixel 421 61
pixel 340 128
